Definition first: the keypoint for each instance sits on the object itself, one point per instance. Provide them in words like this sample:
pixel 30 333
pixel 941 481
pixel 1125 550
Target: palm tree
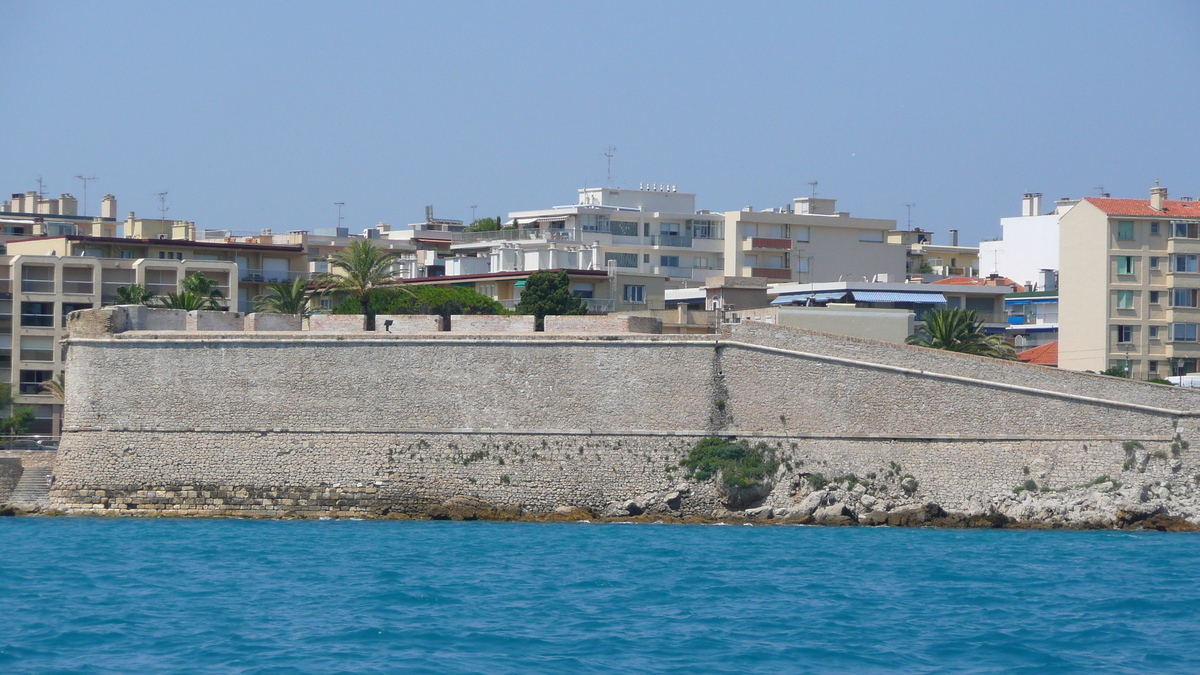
pixel 958 330
pixel 200 285
pixel 56 387
pixel 189 300
pixel 134 295
pixel 364 268
pixel 285 298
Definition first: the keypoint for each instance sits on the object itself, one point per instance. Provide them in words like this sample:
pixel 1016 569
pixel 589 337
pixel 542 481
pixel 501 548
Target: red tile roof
pixel 1141 207
pixel 981 281
pixel 1045 355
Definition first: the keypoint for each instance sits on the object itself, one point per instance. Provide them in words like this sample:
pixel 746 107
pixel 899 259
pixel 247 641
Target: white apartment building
pixel 1129 286
pixel 1028 245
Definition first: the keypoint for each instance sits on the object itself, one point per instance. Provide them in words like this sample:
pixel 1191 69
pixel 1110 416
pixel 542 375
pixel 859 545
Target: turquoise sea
pixel 90 595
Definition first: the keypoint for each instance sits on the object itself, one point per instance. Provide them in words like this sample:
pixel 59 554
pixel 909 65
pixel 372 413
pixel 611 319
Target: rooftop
pixel 1141 207
pixel 1045 355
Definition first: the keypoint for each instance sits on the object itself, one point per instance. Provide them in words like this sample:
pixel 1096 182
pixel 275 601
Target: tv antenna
pixel 813 185
pixel 473 207
pixel 41 191
pixel 85 180
pixel 162 205
pixel 910 208
pixel 1099 189
pixel 608 152
pixel 339 205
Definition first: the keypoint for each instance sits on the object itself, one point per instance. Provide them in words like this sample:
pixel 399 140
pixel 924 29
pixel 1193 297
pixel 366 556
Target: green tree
pixel 958 330
pixel 19 417
pixel 198 284
pixel 364 268
pixel 284 298
pixel 484 225
pixel 549 294
pixel 188 300
pixel 133 295
pixel 56 387
pixel 441 300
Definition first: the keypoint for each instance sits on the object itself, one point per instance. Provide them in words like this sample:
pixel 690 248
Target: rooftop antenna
pixel 1099 189
pixel 608 152
pixel 41 192
pixel 339 205
pixel 85 180
pixel 162 205
pixel 910 208
pixel 813 184
pixel 473 207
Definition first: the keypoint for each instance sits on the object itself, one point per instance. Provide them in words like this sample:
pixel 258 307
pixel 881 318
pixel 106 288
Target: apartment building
pixel 1028 246
pixel 30 215
pixel 929 261
pixel 810 241
pixel 1129 285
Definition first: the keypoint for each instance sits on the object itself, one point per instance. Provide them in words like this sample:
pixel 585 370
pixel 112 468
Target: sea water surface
pixel 90 595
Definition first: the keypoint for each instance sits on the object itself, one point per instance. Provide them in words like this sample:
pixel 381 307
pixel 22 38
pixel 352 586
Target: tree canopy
pixel 285 298
pixel 484 225
pixel 440 300
pixel 133 295
pixel 18 418
pixel 958 330
pixel 549 294
pixel 199 292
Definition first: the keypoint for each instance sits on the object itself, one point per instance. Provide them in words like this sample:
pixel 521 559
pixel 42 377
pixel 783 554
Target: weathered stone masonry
pixel 269 424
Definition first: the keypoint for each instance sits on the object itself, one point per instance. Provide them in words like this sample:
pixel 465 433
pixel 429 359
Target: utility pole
pixel 473 207
pixel 85 180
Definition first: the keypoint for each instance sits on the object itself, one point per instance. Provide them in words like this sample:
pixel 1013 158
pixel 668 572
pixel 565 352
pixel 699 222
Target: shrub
pixel 504 479
pixel 1029 485
pixel 440 300
pixel 738 464
pixel 817 481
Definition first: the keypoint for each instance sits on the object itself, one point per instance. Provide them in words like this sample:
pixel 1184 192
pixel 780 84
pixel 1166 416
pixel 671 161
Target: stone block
pixel 337 322
pixel 209 320
pixel 482 323
pixel 262 321
pixel 405 324
pixel 87 323
pixel 604 324
pixel 156 319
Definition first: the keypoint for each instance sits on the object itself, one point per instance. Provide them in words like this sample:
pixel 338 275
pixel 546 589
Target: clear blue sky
pixel 262 114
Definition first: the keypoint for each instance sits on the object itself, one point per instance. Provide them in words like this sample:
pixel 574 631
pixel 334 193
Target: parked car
pixel 30 444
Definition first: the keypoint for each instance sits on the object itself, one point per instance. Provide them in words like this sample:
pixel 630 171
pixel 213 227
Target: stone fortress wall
pixel 309 423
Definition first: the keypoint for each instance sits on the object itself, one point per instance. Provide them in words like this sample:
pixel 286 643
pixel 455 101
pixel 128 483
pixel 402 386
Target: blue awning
pixel 900 296
pixel 1041 301
pixel 1016 302
pixel 815 296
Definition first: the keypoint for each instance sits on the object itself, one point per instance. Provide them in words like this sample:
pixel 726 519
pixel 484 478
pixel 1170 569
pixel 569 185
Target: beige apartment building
pixel 1129 285
pixel 810 241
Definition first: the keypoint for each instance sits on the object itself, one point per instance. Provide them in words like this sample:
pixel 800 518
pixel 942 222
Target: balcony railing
pixel 550 234
pixel 37 320
pixel 670 240
pixel 677 272
pixel 251 275
pixel 1032 319
pixel 37 286
pixel 763 243
pixel 79 287
pixel 770 273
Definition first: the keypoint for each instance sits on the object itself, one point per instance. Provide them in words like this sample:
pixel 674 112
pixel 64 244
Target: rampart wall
pixel 304 423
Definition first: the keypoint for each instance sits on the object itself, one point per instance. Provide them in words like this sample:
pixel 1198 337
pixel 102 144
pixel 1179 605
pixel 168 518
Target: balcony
pixel 673 272
pixel 764 244
pixel 1033 319
pixel 670 240
pixel 770 272
pixel 258 276
pixel 524 234
pixel 78 287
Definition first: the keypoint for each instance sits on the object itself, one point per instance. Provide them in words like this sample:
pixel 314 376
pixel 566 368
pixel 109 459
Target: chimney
pixel 954 237
pixel 1031 204
pixel 1158 197
pixel 108 207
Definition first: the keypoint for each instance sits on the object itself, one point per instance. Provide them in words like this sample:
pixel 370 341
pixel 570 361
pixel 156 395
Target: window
pixel 645 257
pixel 1185 263
pixel 37 348
pixel 1125 229
pixel 489 290
pixel 37 279
pixel 801 233
pixel 700 262
pixel 170 255
pixel 1153 365
pixel 1153 332
pixel 1154 297
pixel 777 262
pixel 871 235
pixel 646 231
pixel 1124 299
pixel 623 228
pixel 635 293
pixel 1154 230
pixel 669 229
pixel 1153 262
pixel 1125 264
pixel 1124 333
pixel 1185 230
pixel 31 381
pixel 583 290
pixel 1183 332
pixel 621 259
pixel 802 265
pixel 37 314
pixel 668 260
pixel 124 254
pixel 752 261
pixel 1184 297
